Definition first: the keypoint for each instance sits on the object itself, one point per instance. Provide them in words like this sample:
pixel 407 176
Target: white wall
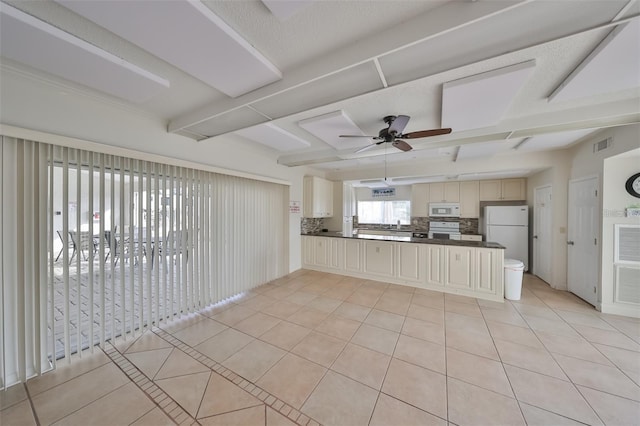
pixel 557 176
pixel 34 103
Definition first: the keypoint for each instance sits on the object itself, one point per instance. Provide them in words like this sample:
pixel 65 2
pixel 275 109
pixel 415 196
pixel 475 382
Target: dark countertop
pixel 364 236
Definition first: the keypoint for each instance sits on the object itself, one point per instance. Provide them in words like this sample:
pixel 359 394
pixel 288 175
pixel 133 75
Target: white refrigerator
pixel 509 226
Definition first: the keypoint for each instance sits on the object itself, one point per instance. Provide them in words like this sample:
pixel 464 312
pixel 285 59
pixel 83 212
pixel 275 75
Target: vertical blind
pixel 97 247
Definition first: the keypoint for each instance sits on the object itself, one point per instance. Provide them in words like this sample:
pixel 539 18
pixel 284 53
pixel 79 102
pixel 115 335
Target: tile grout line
pixel 575 385
pixel 33 408
pixel 284 409
pixel 162 400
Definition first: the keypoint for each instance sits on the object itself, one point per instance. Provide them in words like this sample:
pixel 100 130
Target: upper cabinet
pixel 317 197
pixel 444 192
pixel 470 199
pixel 503 190
pixel 420 200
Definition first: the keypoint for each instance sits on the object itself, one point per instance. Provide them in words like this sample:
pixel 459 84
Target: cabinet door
pixel 435 265
pixel 490 190
pixel 436 192
pixel 470 199
pixel 420 200
pixel 353 255
pixel 379 258
pixel 321 248
pixel 327 198
pixel 308 254
pixel 451 192
pixel 513 189
pixel 336 248
pixel 486 279
pixel 459 263
pixel 411 263
pixel 307 197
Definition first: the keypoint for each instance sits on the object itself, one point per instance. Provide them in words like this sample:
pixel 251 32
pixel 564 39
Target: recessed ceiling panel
pixel 188 35
pixel 552 140
pixel 274 137
pixel 329 127
pixel 228 122
pixel 32 42
pixel 481 100
pixel 342 85
pixel 486 149
pixel 284 9
pixel 614 65
pixel 526 25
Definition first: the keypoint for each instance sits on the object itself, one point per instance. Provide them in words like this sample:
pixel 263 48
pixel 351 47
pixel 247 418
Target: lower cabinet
pixel 435 265
pixel 336 252
pixel 411 262
pixel 459 263
pixel 321 248
pixel 469 271
pixel 379 257
pixel 353 255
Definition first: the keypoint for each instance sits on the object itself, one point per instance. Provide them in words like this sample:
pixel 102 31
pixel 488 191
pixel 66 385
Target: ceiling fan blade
pixel 366 147
pixel 426 133
pixel 401 145
pixel 359 136
pixel 398 125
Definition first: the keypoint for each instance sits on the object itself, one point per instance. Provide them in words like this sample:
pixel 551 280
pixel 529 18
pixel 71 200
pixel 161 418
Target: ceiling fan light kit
pixel 393 133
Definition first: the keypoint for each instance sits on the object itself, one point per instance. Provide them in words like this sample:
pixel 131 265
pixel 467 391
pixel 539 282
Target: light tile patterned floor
pixel 319 348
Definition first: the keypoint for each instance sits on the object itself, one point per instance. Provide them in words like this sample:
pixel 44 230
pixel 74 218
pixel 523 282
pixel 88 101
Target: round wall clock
pixel 633 185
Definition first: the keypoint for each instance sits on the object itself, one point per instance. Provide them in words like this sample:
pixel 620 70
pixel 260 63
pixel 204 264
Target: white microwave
pixel 444 210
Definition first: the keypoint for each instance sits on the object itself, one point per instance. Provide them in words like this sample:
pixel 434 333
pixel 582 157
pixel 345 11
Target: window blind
pixel 98 247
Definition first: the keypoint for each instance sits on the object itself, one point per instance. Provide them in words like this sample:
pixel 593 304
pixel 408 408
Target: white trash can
pixel 513 270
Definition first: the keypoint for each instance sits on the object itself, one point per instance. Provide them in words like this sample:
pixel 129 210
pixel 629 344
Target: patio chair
pixel 82 242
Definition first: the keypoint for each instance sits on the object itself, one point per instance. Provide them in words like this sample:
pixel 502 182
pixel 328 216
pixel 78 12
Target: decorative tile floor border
pixel 167 404
pixel 172 409
pixel 269 399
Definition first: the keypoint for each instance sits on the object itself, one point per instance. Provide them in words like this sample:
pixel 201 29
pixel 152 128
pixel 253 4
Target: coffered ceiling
pixel 506 76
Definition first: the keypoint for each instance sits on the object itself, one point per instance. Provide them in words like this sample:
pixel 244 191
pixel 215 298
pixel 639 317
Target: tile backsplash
pixel 311 225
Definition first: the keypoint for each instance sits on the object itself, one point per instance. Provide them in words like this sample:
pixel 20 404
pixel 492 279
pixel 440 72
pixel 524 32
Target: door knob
pixel 535 236
pixel 570 243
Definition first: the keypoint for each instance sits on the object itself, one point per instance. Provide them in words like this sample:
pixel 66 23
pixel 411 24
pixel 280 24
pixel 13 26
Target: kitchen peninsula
pixel 468 268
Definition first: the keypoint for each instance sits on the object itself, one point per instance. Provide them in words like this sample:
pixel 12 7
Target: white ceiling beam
pixel 383 79
pixel 589 117
pixel 436 22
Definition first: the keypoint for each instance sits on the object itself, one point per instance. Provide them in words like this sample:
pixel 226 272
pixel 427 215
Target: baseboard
pixel 620 309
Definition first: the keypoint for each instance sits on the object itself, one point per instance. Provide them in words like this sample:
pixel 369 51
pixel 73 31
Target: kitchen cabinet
pixel 353 255
pixel 444 192
pixel 465 270
pixel 470 199
pixel 420 200
pixel 503 190
pixel 435 265
pixel 379 258
pixel 487 270
pixel 317 197
pixel 336 252
pixel 411 264
pixel 321 251
pixel 514 189
pixel 308 252
pixel 459 267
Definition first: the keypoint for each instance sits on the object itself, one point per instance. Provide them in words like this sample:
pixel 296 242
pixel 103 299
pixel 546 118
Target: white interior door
pixel 583 266
pixel 542 233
